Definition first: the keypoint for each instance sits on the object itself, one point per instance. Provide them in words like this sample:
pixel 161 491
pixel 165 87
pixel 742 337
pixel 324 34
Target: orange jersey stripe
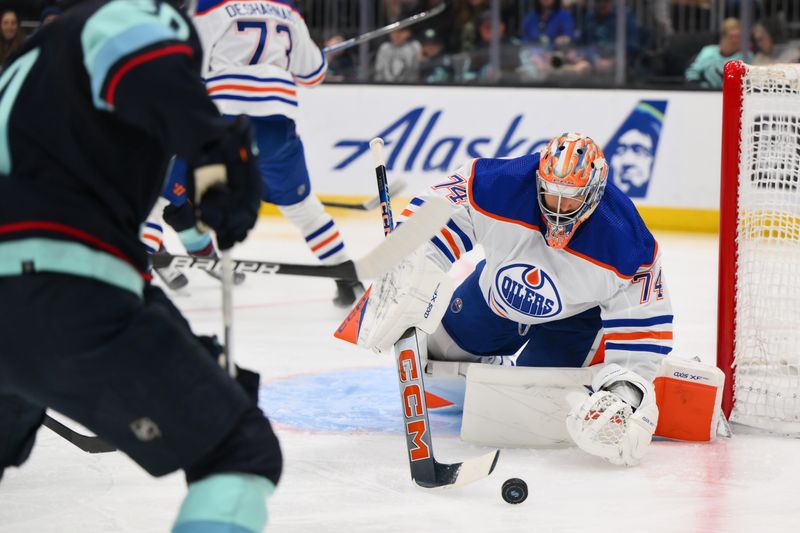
pixel 452 242
pixel 600 354
pixel 152 238
pixel 249 88
pixel 406 213
pixel 637 335
pixel 312 82
pixel 326 241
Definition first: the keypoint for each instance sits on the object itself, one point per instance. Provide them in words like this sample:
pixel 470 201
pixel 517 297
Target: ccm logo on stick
pixel 412 404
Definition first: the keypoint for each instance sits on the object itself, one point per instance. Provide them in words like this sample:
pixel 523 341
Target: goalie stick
pixel 370 204
pixel 87 443
pixel 426 471
pixel 380 32
pixel 427 221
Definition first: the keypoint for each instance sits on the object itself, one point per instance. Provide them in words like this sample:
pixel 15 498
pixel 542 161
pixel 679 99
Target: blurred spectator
pixel 663 18
pixel 600 32
pixel 766 52
pixel 548 24
pixel 478 65
pixel 435 66
pixel 442 24
pixel 341 65
pixel 599 37
pixel 11 33
pixel 706 69
pixel 398 58
pixel 49 14
pixel 395 10
pixel 465 36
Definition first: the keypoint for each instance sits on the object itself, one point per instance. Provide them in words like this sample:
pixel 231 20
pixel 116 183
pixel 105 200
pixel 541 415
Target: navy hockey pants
pixel 129 369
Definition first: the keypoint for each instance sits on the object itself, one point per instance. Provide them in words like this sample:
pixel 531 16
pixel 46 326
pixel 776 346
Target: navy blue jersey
pixel 91 109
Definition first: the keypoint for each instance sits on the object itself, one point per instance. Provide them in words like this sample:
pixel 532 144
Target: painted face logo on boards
pixel 528 290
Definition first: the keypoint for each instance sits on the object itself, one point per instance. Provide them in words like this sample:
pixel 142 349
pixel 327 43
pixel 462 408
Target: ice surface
pixel 345 468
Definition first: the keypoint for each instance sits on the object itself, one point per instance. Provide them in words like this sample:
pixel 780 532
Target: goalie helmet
pixel 570 182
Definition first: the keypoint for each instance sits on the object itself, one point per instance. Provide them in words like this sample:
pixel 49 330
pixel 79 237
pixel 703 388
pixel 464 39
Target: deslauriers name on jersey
pixel 249 9
pixel 528 290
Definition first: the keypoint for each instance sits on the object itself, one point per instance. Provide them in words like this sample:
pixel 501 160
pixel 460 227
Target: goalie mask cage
pixel 758 326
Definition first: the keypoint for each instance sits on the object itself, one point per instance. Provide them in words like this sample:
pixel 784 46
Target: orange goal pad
pixel 689 398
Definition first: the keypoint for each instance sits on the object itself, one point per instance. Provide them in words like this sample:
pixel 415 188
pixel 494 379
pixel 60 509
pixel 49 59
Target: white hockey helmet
pixel 572 171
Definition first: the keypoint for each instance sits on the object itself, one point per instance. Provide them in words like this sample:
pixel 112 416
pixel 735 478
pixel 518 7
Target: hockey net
pixel 759 292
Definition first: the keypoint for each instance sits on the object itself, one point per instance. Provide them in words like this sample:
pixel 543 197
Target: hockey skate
pixel 172 278
pixel 347 292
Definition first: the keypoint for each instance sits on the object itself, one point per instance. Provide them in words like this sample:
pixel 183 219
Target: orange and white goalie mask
pixel 570 182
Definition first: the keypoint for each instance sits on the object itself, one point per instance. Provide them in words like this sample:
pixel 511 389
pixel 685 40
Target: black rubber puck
pixel 515 490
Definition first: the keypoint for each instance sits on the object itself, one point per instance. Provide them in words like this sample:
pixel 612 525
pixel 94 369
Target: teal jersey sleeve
pixel 125 34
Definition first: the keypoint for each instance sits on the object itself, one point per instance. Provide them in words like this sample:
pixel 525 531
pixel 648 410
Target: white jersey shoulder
pixel 256 54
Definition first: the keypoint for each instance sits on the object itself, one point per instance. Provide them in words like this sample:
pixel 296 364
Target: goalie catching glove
pixel 415 293
pixel 616 422
pixel 226 189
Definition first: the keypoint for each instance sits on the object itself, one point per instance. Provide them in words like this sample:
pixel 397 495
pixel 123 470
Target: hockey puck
pixel 515 490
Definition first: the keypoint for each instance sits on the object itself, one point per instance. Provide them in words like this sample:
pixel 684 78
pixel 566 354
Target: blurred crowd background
pixel 582 43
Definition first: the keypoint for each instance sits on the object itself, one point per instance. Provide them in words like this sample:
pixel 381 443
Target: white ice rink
pixel 337 412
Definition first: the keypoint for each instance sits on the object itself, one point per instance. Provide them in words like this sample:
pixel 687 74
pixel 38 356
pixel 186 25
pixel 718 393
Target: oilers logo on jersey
pixel 528 290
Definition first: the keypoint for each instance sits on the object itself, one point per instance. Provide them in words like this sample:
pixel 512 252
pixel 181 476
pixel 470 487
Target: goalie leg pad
pixel 689 396
pixel 520 407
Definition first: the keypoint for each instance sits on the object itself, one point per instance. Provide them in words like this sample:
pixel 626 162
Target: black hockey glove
pixel 247 379
pixel 181 217
pixel 227 185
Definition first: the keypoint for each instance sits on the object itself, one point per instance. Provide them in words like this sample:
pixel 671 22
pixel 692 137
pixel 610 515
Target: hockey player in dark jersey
pixel 173 208
pixel 91 109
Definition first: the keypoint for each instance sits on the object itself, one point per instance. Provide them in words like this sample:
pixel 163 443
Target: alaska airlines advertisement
pixel 663 147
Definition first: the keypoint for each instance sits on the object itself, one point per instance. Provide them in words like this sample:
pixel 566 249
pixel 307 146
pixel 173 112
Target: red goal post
pixel 758 323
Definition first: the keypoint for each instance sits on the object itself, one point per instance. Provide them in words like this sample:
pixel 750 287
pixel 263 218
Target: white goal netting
pixel 767 326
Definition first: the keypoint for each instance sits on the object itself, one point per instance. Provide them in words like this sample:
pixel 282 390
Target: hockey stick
pixel 370 204
pixel 227 311
pixel 426 471
pixel 425 223
pixel 380 32
pixel 87 443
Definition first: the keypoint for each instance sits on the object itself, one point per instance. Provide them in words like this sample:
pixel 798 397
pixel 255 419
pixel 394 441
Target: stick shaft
pixel 376 145
pixel 227 311
pixel 380 32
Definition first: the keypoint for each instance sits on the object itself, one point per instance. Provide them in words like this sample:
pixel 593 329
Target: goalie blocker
pixel 526 407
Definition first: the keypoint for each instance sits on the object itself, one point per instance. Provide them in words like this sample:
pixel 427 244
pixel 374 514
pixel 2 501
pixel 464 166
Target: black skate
pixel 172 278
pixel 347 292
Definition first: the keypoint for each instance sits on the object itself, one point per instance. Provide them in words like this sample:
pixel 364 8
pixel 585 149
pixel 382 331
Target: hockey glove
pixel 227 185
pixel 616 422
pixel 247 379
pixel 415 293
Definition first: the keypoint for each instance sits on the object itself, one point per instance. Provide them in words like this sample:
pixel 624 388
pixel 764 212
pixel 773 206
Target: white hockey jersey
pixel 612 261
pixel 256 53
